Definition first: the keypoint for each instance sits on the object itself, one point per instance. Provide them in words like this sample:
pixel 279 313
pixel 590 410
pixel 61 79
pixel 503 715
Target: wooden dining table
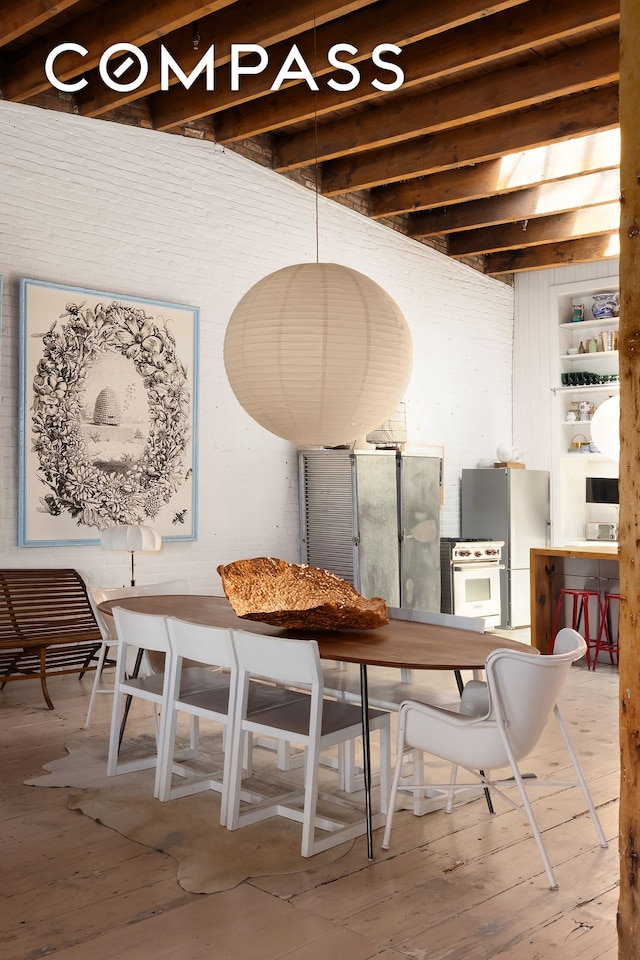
pixel 400 643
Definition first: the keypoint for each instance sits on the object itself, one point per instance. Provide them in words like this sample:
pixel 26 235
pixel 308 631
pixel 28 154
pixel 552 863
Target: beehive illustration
pixel 107 407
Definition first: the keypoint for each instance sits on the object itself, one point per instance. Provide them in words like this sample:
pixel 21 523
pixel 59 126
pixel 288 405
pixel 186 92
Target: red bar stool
pixel 580 606
pixel 605 640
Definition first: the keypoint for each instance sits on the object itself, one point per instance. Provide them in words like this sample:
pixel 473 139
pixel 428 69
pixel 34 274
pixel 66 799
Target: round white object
pixel 605 428
pixel 318 354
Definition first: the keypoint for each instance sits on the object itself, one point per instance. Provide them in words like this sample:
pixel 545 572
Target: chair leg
pixel 165 759
pixel 310 801
pixel 385 766
pixel 517 776
pixel 393 794
pixel 114 734
pixel 96 680
pixel 581 779
pixel 452 788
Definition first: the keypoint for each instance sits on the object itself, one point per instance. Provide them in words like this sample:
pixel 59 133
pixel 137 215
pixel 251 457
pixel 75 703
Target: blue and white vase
pixel 605 305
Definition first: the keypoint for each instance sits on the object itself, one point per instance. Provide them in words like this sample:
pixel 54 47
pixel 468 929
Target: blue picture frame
pixel 108 415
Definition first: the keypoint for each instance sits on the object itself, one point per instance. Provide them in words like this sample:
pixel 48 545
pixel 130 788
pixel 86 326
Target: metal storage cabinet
pixel 373 517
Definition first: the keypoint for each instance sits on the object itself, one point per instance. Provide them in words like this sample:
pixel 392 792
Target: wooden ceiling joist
pixel 18 17
pixel 443 55
pixel 557 161
pixel 591 65
pixel 555 197
pixel 272 26
pixel 140 23
pixel 394 21
pixel 578 115
pixel 584 250
pixel 589 221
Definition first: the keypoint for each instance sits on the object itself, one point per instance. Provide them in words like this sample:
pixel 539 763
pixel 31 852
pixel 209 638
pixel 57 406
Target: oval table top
pixel 400 643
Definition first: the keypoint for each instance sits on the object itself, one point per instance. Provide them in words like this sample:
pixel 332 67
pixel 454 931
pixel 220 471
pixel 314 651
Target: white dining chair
pixel 523 692
pixel 214 703
pixel 387 690
pixel 98 595
pixel 315 722
pixel 147 633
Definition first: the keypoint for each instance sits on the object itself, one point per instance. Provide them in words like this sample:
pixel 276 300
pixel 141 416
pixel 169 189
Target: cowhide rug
pixel 210 857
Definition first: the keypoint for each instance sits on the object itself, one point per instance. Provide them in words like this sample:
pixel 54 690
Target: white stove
pixel 470 578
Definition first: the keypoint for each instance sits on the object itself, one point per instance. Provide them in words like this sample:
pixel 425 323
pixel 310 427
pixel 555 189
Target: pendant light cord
pixel 315 129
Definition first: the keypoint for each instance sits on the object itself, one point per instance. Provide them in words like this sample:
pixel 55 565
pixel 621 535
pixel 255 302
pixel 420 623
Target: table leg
pixel 127 699
pixel 366 751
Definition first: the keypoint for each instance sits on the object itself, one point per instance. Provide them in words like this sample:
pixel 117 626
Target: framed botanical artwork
pixel 108 415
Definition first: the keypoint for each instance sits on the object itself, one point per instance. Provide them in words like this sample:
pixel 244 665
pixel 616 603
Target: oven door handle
pixel 463 568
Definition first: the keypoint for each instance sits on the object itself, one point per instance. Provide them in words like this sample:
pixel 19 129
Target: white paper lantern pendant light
pixel 318 354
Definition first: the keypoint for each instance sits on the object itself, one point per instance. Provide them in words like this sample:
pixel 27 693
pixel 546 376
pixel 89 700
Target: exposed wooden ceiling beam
pixel 272 25
pixel 391 21
pixel 585 250
pixel 570 158
pixel 562 119
pixel 554 197
pixel 18 17
pixel 590 221
pixel 137 22
pixel 590 65
pixel 470 45
pixel 502 99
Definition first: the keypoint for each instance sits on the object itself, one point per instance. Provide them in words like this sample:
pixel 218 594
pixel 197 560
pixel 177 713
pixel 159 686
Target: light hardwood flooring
pixel 470 887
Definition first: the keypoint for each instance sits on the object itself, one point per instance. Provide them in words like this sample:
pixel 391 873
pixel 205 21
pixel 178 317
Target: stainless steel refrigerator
pixel 511 505
pixel 373 517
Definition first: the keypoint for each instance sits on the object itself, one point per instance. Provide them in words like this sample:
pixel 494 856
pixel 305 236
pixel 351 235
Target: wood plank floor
pixel 469 887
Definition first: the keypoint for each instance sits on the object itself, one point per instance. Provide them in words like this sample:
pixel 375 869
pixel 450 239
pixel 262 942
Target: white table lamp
pixel 135 538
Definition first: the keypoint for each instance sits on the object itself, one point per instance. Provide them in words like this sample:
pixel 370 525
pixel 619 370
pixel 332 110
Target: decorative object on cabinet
pixel 107 414
pixel 508 454
pixel 577 312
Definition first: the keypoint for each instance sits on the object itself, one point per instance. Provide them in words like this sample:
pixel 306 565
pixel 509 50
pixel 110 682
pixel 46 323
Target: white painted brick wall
pixel 115 208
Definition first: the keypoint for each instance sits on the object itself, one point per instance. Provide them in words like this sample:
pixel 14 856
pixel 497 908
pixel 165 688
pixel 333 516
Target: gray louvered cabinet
pixel 372 517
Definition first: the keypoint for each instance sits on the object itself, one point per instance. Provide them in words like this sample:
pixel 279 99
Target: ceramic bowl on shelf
pixel 572 351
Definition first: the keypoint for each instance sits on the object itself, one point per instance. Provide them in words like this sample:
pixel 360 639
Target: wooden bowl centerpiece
pixel 298 596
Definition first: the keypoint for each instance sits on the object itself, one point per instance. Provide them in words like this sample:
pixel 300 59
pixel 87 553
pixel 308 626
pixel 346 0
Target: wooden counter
pixel 543 567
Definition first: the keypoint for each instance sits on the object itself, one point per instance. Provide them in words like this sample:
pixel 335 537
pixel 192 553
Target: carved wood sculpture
pixel 629 536
pixel 297 596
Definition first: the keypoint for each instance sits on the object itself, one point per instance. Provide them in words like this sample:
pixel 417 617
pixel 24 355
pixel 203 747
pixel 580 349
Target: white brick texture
pixel 111 207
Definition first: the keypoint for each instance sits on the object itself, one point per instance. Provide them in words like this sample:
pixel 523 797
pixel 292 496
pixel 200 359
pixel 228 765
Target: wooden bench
pixel 47 626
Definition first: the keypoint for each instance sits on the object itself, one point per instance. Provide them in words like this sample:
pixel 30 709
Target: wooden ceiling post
pixel 629 844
